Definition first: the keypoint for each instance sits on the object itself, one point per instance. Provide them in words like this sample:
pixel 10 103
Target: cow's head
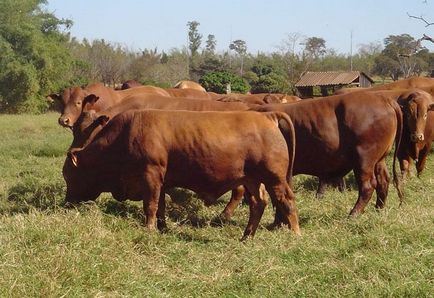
pixel 415 106
pixel 73 101
pixel 272 98
pixel 81 184
pixel 86 127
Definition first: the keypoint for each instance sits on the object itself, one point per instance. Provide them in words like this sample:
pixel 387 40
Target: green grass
pixel 103 250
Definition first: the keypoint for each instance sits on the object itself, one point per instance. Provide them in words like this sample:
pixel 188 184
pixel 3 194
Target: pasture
pixel 102 249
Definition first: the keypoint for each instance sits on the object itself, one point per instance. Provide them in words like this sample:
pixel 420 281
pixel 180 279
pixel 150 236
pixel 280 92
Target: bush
pixel 217 82
pixel 271 83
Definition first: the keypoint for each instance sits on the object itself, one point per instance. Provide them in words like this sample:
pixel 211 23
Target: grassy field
pixel 103 250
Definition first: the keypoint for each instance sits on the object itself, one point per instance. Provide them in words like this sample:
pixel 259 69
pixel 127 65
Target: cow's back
pixel 188 93
pixel 189 85
pixel 329 130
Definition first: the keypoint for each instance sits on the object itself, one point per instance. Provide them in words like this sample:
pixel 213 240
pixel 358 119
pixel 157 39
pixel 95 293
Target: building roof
pixel 329 78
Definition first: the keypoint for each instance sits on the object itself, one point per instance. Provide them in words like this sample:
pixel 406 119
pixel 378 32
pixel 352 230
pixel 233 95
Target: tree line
pixel 38 56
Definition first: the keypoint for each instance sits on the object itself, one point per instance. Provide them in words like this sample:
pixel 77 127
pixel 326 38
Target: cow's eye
pixel 425 116
pixel 78 103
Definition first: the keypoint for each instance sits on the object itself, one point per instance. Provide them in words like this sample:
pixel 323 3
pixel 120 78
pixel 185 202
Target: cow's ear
pixel 53 97
pixel 102 120
pixel 72 155
pixel 405 99
pixel 91 99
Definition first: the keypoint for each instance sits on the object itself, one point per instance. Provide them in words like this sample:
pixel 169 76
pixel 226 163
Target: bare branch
pixel 422 19
pixel 426 37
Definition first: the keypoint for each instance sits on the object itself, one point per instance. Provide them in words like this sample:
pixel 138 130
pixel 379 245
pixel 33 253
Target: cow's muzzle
pixel 65 121
pixel 417 137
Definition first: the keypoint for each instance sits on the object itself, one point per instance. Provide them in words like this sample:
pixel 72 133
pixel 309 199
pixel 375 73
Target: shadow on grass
pixel 182 207
pixel 310 183
pixel 189 238
pixel 122 209
pixel 33 194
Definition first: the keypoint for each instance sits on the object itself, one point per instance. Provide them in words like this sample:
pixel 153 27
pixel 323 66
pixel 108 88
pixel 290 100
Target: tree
pixel 315 47
pixel 210 44
pixel 289 56
pixel 194 38
pixel 364 60
pixel 386 67
pixel 427 24
pixel 34 59
pixel 399 57
pixel 240 47
pixel 271 76
pixel 218 81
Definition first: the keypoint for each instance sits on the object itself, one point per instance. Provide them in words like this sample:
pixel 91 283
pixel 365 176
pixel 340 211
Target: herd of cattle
pixel 142 141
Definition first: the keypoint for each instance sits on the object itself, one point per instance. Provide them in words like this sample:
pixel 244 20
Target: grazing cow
pixel 140 154
pixel 353 132
pixel 72 99
pixel 189 85
pixel 130 84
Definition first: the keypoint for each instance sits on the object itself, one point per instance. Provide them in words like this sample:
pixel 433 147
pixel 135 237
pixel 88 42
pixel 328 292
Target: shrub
pixel 217 82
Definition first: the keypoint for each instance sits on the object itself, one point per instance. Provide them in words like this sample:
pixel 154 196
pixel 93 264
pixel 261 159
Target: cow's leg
pixel 366 182
pixel 335 182
pixel 383 180
pixel 423 154
pixel 161 212
pixel 151 196
pixel 341 184
pixel 404 165
pixel 257 204
pixel 234 202
pixel 322 184
pixel 286 211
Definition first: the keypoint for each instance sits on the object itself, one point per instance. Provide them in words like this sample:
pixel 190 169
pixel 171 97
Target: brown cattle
pixel 188 93
pixel 258 99
pixel 343 91
pixel 141 154
pixel 408 149
pixel 410 83
pixel 72 99
pixel 423 148
pixel 87 125
pixel 418 131
pixel 338 134
pixel 130 84
pixel 189 85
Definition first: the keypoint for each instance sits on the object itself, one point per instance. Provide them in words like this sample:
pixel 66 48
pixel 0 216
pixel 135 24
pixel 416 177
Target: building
pixel 326 83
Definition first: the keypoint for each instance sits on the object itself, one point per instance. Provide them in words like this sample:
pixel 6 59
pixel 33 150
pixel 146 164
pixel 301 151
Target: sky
pixel 263 24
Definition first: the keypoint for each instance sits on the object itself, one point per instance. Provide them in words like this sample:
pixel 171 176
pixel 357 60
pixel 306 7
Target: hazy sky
pixel 262 24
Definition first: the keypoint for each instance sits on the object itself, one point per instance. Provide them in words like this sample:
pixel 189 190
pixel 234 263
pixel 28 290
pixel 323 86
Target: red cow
pixel 337 134
pixel 72 99
pixel 140 154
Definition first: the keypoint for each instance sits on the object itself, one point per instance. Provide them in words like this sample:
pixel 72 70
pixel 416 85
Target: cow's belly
pixel 323 164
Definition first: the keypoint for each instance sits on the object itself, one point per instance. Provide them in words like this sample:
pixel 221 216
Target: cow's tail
pixel 397 181
pixel 288 132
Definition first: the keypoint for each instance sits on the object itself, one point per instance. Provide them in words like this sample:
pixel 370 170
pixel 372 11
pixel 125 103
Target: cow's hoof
pixel 274 226
pixel 246 238
pixel 220 220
